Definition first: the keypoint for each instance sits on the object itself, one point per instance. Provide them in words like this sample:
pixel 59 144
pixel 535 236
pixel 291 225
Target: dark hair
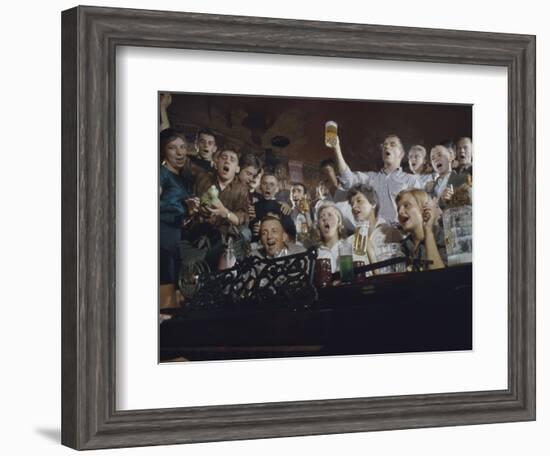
pixel 267 174
pixel 250 159
pixel 448 143
pixel 167 136
pixel 368 192
pixel 327 162
pixel 207 131
pixel 301 185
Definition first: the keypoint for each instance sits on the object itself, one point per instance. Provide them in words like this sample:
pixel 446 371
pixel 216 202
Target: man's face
pixel 206 145
pixel 392 152
pixel 247 175
pixel 297 193
pixel 464 151
pixel 227 165
pixel 409 213
pixel 256 181
pixel 272 237
pixel 329 175
pixel 441 159
pixel 416 161
pixel 269 186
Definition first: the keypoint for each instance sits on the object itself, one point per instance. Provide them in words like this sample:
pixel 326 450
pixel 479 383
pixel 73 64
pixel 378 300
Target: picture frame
pixel 90 36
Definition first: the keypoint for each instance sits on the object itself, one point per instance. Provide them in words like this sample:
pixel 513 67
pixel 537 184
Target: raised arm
pixel 165 101
pixel 348 178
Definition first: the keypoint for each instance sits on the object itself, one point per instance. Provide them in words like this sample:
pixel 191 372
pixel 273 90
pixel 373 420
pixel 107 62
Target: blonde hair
pixel 420 196
pixel 341 227
pixel 426 167
pixel 417 148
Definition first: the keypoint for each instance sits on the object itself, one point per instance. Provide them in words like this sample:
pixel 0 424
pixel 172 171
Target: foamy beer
pixel 360 239
pixel 331 131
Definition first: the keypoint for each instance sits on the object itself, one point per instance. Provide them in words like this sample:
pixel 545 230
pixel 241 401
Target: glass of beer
pixel 331 132
pixel 345 259
pixel 360 239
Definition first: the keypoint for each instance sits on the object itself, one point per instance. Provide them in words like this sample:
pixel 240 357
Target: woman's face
pixel 361 208
pixel 416 160
pixel 174 153
pixel 409 213
pixel 329 221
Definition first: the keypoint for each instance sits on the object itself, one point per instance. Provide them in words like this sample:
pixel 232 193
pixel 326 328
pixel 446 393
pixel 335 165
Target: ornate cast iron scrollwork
pixel 256 281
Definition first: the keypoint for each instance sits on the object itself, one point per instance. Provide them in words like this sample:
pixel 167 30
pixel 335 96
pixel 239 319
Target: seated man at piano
pixel 274 239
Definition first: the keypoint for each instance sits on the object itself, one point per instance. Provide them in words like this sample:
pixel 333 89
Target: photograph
pixel 292 227
pixel 269 228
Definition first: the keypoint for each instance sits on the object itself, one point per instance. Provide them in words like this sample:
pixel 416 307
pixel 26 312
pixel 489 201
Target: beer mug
pixel 360 239
pixel 323 273
pixel 331 132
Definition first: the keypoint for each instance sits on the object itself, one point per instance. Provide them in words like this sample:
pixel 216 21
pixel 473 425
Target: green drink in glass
pixel 345 259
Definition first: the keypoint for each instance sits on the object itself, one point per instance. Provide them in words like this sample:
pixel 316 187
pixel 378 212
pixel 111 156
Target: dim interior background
pixel 289 131
pixel 30 241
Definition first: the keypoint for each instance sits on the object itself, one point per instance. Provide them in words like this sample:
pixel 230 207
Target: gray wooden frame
pixel 89 39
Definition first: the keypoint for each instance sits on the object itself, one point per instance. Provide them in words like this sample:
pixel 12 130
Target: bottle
pixel 228 258
pixel 209 196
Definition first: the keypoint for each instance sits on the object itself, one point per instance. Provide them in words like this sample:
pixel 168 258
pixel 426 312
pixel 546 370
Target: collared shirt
pixel 200 162
pixel 419 253
pixel 387 186
pixel 234 196
pixel 464 169
pixel 440 184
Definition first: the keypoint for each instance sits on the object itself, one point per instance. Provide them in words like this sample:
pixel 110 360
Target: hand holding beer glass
pixel 331 134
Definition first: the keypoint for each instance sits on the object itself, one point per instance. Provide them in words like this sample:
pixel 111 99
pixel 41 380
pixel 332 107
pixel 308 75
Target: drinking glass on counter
pixel 387 251
pixel 345 258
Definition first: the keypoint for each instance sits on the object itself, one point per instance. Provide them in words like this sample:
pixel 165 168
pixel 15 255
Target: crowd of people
pixel 217 206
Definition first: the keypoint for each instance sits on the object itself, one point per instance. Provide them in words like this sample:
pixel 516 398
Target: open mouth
pixel 438 165
pixel 403 219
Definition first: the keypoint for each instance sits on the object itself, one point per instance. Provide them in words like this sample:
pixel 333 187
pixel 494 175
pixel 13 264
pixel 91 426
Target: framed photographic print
pixel 292 197
pixel 268 276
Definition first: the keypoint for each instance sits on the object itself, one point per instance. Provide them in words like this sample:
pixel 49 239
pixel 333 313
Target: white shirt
pixel 387 186
pixel 332 253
